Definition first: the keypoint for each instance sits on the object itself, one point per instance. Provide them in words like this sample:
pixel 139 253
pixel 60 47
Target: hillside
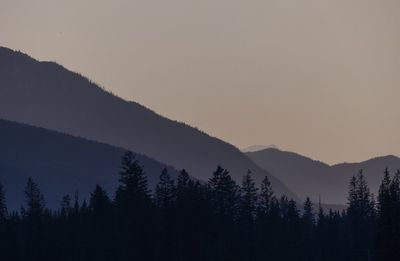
pixel 308 177
pixel 47 95
pixel 60 163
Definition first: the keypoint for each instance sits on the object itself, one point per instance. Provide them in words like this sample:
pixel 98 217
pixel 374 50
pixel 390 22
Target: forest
pixel 191 220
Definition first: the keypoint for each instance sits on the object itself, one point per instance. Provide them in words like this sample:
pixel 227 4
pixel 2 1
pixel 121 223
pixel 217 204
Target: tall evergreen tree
pixel 165 190
pixel 247 213
pixel 361 214
pixel 35 203
pixel 3 205
pixel 134 208
pixel 248 199
pixel 308 216
pixel 183 181
pixel 308 231
pixel 388 234
pixel 224 193
pixel 223 196
pixel 99 201
pixel 266 197
pixel 132 182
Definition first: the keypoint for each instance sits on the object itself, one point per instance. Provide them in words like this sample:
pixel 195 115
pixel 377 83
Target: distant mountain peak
pixel 255 148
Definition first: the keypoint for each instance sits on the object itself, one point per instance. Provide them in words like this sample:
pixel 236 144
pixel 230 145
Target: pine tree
pixel 66 208
pixel 308 231
pixel 388 237
pixel 308 213
pixel 361 215
pixel 34 216
pixel 34 200
pixel 3 205
pixel 134 211
pixel 165 190
pixel 265 198
pixel 132 182
pixel 224 193
pixel 183 181
pixel 99 201
pixel 248 198
pixel 223 196
pixel 247 213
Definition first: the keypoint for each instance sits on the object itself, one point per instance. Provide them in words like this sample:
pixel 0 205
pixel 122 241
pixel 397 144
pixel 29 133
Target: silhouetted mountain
pixel 60 163
pixel 307 177
pixel 47 95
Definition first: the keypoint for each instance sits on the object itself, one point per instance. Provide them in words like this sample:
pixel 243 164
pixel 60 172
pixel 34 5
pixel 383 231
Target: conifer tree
pixel 361 215
pixel 248 198
pixel 165 190
pixel 132 182
pixel 3 205
pixel 99 201
pixel 308 216
pixel 265 198
pixel 134 211
pixel 35 203
pixel 66 206
pixel 224 193
pixel 183 181
pixel 247 213
pixel 223 198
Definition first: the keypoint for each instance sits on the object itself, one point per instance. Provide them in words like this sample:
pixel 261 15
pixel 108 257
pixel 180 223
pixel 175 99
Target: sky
pixel 318 77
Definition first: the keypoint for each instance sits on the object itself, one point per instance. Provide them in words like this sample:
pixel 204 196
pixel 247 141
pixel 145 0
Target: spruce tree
pixel 247 213
pixel 224 193
pixel 223 196
pixel 34 199
pixel 308 216
pixel 99 202
pixel 308 230
pixel 132 182
pixel 66 208
pixel 248 198
pixel 134 211
pixel 265 198
pixel 3 205
pixel 165 190
pixel 361 215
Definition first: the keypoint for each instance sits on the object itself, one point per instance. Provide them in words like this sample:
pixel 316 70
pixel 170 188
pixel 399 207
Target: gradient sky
pixel 318 77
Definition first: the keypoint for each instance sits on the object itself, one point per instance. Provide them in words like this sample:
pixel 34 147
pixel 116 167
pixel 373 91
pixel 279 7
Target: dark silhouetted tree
pixel 3 205
pixel 361 214
pixel 34 199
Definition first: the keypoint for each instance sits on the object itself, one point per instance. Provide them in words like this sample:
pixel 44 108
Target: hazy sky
pixel 317 77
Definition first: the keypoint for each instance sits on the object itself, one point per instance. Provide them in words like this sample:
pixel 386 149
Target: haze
pixel 318 77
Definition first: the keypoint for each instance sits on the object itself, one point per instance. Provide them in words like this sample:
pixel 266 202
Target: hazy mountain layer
pixel 60 163
pixel 308 177
pixel 47 95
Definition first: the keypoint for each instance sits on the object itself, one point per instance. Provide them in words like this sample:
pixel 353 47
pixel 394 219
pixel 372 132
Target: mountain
pixel 60 164
pixel 47 95
pixel 308 177
pixel 254 148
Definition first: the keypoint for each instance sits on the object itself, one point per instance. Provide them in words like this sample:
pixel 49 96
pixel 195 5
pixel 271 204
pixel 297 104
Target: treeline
pixel 185 219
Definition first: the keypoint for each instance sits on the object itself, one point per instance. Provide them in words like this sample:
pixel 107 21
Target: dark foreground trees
pixel 185 219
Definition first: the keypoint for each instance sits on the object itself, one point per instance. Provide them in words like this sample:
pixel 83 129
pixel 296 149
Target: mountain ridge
pixel 61 163
pixel 47 95
pixel 309 177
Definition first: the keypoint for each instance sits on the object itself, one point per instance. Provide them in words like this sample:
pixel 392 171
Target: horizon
pixel 199 130
pixel 198 127
pixel 332 66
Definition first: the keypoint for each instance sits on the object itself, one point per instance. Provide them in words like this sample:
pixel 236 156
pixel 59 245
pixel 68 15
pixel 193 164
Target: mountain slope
pixel 47 95
pixel 307 177
pixel 60 163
